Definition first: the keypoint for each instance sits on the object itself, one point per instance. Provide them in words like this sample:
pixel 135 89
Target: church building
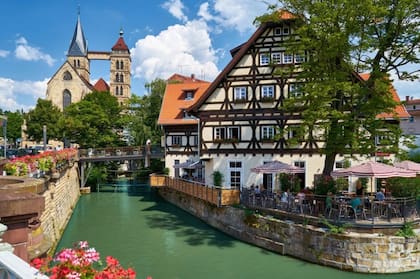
pixel 71 83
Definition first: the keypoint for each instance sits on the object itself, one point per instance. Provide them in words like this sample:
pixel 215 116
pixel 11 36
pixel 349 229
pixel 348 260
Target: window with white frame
pixel 233 133
pixel 189 95
pixel 219 133
pixel 293 133
pixel 295 90
pixel 300 164
pixel 287 58
pixel 235 171
pixel 264 59
pixel 286 30
pixel 276 58
pixel 267 91
pixel 240 93
pixel 267 132
pixel 277 31
pixel 299 58
pixel 339 164
pixel 176 140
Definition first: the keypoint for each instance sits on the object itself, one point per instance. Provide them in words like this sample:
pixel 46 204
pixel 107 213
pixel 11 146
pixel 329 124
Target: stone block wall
pixel 60 199
pixel 358 252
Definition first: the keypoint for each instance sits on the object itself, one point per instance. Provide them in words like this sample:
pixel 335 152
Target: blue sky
pixel 164 37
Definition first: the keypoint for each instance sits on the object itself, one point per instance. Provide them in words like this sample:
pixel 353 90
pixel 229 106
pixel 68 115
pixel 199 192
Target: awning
pixel 191 165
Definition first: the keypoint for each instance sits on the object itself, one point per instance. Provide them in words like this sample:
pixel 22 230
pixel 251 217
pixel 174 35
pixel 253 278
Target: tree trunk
pixel 329 164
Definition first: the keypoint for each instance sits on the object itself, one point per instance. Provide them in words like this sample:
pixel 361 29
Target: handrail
pixel 219 196
pixel 373 212
pixel 11 266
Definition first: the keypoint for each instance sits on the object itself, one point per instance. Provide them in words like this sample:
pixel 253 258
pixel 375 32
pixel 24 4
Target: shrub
pixel 404 187
pixel 289 181
pixel 217 178
pixel 324 184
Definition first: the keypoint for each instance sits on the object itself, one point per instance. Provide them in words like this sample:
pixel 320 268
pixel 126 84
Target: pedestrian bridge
pixel 120 153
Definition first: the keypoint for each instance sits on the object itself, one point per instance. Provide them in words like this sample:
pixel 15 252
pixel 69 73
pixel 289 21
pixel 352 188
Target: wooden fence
pixel 215 195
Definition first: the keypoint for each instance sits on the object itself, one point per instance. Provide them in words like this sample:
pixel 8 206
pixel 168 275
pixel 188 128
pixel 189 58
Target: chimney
pixel 193 77
pixel 407 98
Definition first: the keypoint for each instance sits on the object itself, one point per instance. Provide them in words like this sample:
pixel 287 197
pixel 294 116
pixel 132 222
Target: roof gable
pixel 101 86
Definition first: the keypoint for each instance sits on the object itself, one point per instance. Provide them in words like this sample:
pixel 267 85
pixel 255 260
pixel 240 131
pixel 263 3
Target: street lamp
pixel 4 124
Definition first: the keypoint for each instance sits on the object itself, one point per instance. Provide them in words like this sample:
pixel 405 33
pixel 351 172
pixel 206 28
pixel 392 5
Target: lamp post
pixel 4 124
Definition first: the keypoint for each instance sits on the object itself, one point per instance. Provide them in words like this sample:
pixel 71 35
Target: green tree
pixel 339 39
pixel 144 114
pixel 93 122
pixel 44 113
pixel 14 125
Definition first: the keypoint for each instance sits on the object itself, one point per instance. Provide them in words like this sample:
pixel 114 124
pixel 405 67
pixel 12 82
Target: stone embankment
pixel 357 252
pixel 36 210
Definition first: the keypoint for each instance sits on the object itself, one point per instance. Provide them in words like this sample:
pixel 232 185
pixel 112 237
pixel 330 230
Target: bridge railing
pixel 111 151
pixel 218 196
pixel 156 151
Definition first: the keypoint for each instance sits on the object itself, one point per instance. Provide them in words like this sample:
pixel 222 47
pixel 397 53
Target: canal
pixel 160 240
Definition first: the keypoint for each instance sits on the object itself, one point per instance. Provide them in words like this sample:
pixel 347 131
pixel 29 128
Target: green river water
pixel 160 240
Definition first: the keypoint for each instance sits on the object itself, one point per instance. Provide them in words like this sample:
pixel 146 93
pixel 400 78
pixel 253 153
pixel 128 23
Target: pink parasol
pixel 277 167
pixel 374 169
pixel 408 165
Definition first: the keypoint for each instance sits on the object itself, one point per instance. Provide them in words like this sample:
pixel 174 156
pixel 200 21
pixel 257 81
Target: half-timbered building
pixel 180 128
pixel 240 115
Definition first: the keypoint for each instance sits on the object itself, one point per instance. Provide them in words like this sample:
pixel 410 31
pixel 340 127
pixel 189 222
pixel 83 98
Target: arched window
pixel 117 77
pixel 121 90
pixel 66 98
pixel 67 76
pixel 118 64
pixel 121 65
pixel 117 90
pixel 121 77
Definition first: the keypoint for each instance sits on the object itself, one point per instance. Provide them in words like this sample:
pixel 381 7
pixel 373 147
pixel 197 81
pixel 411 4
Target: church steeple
pixel 77 55
pixel 78 46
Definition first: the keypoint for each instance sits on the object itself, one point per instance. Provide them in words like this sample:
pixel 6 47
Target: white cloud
pixel 175 8
pixel 15 95
pixel 28 53
pixel 4 53
pixel 184 49
pixel 238 15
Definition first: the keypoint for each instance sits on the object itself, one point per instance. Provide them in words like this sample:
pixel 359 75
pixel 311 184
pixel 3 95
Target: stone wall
pixel 60 199
pixel 358 252
pixel 36 211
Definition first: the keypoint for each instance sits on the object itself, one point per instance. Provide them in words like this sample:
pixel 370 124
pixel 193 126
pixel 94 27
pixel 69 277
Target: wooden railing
pixel 218 196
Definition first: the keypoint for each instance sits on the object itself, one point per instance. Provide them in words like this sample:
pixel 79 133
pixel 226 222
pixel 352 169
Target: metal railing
pixel 156 151
pixel 370 211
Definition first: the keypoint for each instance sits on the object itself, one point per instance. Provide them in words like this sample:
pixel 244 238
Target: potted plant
pixel 217 178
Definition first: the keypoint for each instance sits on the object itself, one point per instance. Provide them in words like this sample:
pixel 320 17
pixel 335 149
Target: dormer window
pixel 189 94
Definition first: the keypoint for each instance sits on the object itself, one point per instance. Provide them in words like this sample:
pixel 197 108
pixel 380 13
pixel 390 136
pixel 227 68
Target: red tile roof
pixel 181 78
pixel 101 86
pixel 120 45
pixel 285 15
pixel 399 109
pixel 174 101
pixel 412 101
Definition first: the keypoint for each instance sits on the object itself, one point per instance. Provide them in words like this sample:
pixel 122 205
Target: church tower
pixel 77 55
pixel 120 79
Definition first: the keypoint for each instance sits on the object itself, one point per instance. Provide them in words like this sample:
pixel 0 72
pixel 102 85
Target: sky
pixel 164 37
